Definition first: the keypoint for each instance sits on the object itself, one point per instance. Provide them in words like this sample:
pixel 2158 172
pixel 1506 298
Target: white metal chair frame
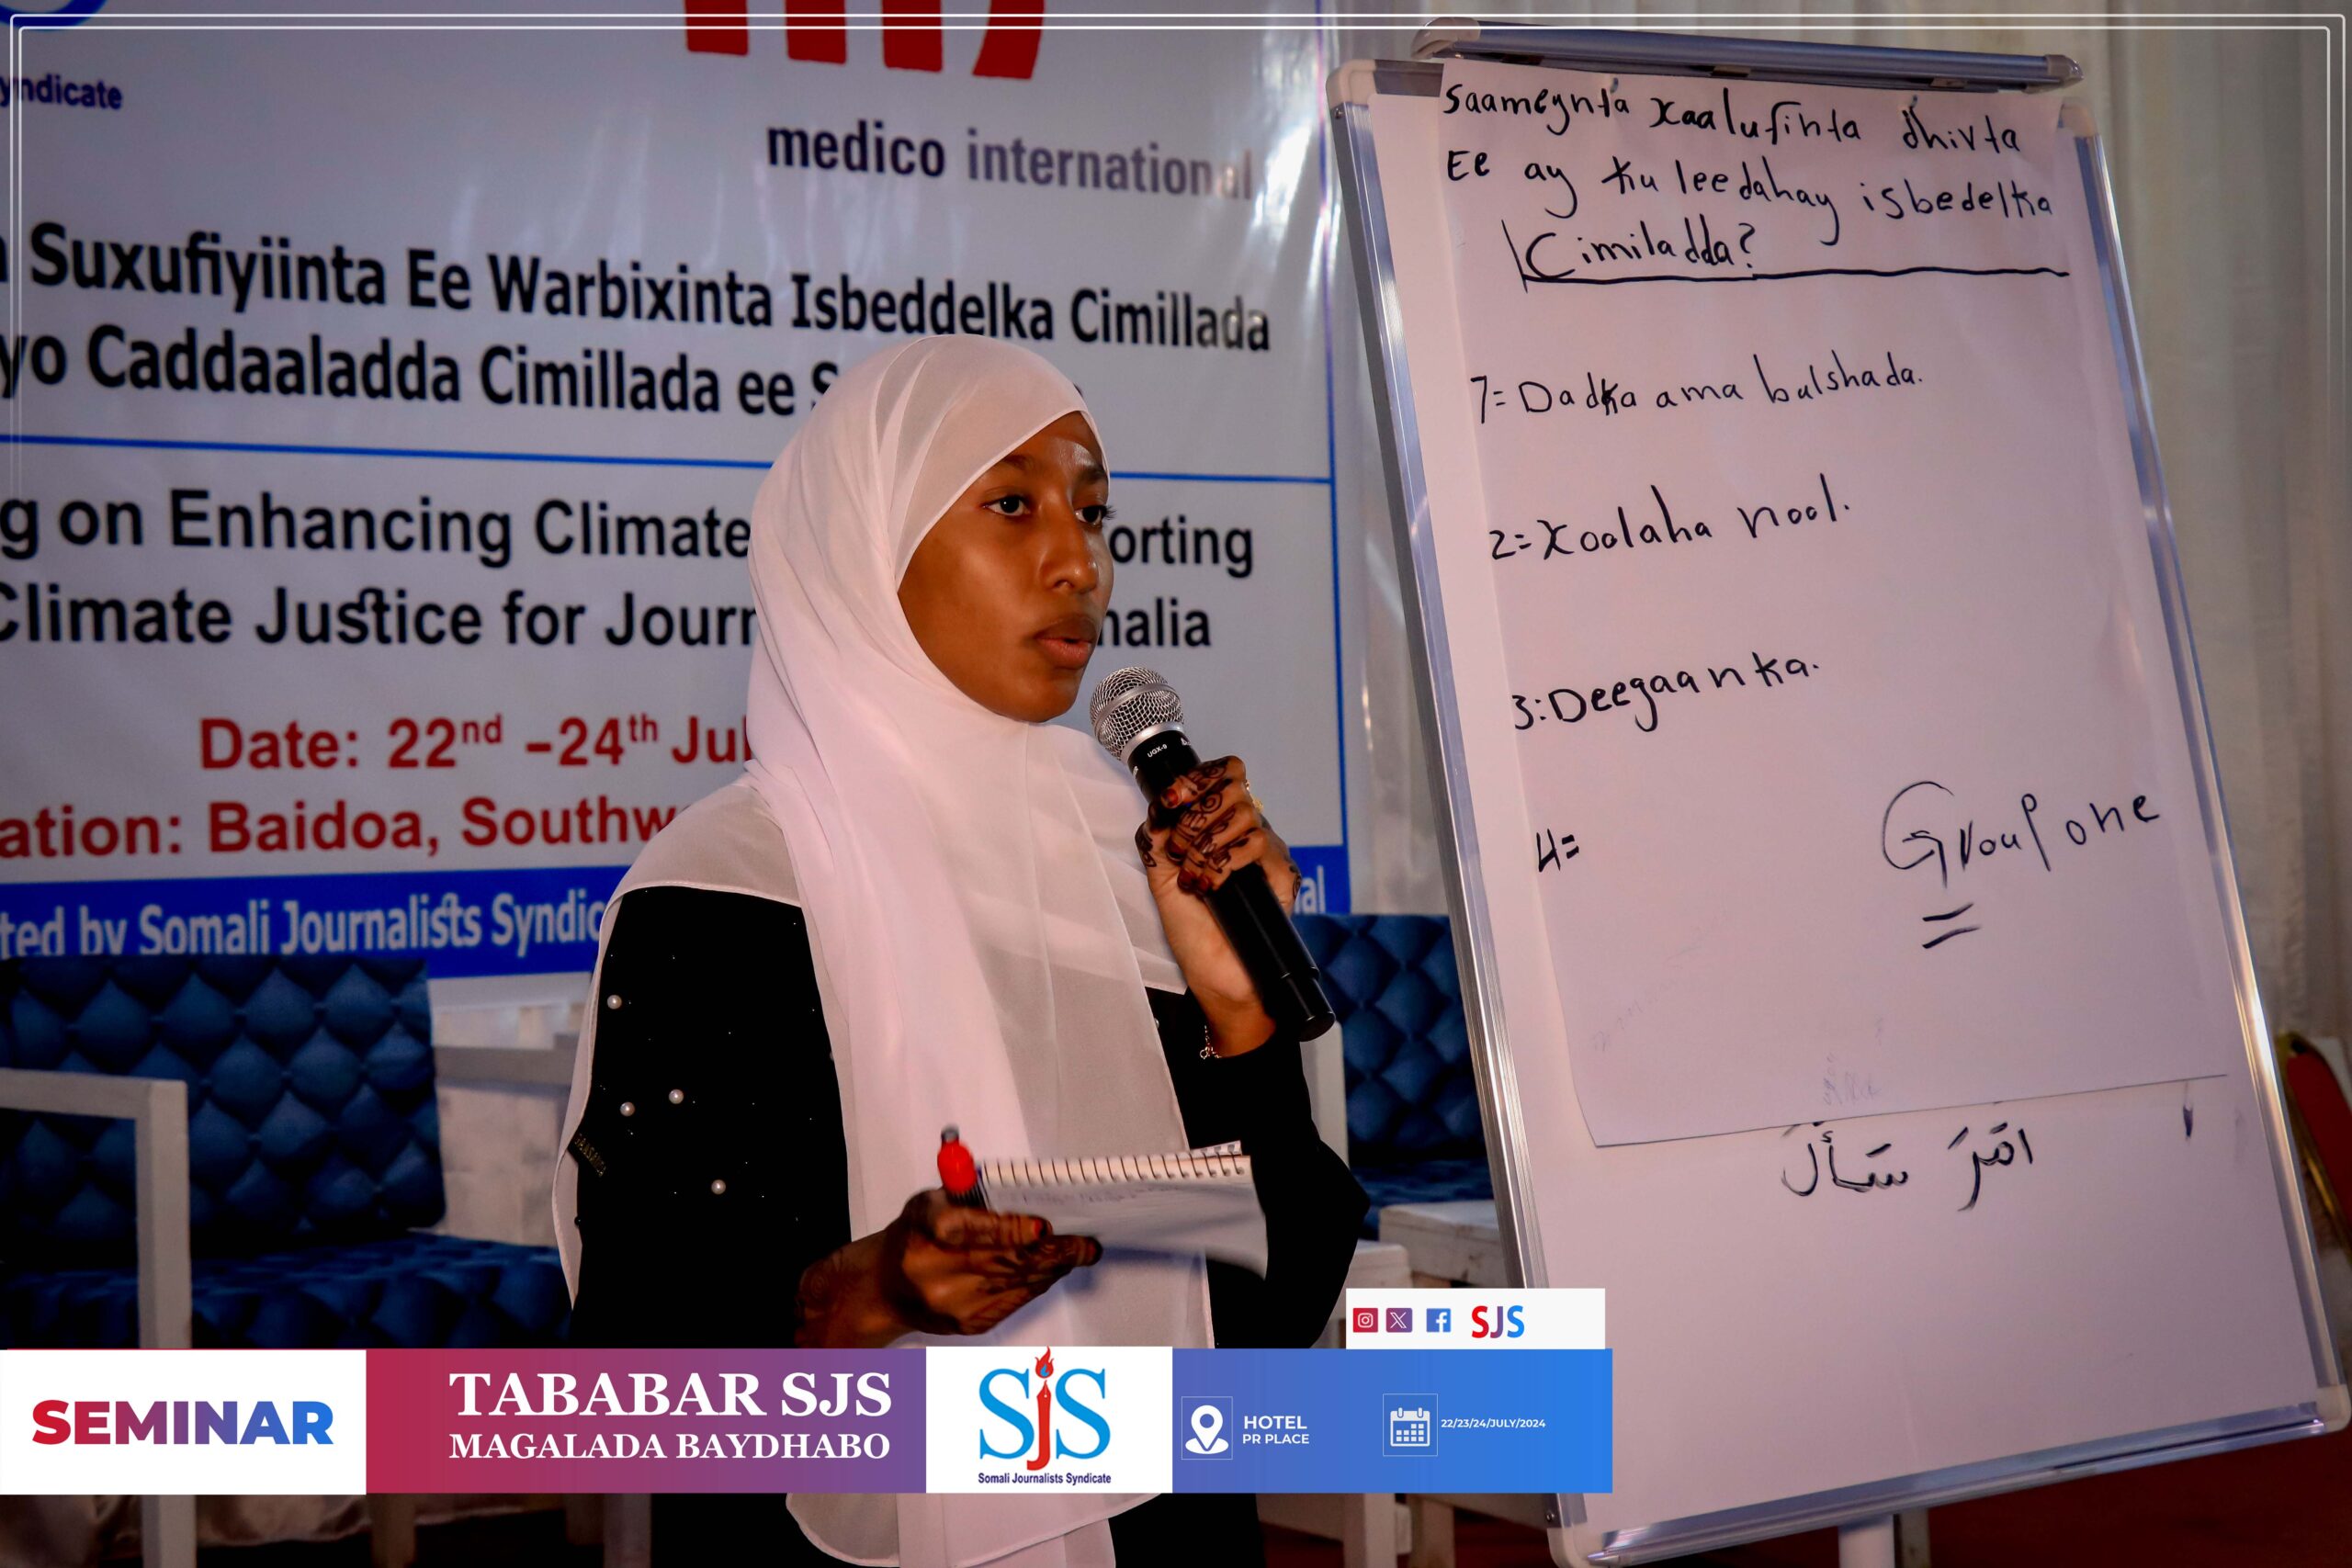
pixel 157 1112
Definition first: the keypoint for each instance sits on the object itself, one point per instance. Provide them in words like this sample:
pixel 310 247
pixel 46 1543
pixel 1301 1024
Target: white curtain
pixel 2218 134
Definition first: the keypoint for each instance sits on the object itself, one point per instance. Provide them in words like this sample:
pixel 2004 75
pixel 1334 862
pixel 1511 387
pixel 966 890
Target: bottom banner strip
pixel 960 1419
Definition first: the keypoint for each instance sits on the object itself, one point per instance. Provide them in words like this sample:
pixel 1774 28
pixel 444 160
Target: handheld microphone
pixel 1139 719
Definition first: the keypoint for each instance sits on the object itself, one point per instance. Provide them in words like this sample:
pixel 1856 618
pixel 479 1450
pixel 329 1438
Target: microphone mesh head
pixel 1141 700
pixel 1117 684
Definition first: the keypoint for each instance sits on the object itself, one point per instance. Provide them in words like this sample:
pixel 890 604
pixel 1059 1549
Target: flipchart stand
pixel 1864 1514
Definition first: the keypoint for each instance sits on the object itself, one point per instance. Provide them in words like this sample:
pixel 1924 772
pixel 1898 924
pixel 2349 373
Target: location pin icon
pixel 1208 1421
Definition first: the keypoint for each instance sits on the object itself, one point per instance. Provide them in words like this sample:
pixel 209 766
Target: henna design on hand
pixel 1199 780
pixel 1213 860
pixel 1201 820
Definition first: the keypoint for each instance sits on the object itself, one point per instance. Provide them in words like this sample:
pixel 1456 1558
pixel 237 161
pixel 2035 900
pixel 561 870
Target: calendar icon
pixel 1411 1424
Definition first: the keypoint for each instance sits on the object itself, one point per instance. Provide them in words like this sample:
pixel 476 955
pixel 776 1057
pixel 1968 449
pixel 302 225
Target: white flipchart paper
pixel 1845 706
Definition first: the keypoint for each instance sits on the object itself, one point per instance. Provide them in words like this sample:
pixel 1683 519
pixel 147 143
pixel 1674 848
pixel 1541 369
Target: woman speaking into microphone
pixel 923 904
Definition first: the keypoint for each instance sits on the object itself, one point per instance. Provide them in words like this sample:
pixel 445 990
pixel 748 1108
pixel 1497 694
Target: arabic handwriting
pixel 2002 1143
pixel 2003 1152
pixel 1826 1142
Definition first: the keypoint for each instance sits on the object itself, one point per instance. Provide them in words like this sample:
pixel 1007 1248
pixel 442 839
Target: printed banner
pixel 385 430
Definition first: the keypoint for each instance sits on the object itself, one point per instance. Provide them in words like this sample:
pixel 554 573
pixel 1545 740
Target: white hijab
pixel 983 934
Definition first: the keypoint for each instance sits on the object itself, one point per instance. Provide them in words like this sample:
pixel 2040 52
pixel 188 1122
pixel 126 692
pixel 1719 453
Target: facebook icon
pixel 1440 1320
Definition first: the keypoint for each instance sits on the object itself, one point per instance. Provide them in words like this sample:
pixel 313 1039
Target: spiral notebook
pixel 1200 1200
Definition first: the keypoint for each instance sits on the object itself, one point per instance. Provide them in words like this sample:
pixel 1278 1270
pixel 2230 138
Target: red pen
pixel 957 1173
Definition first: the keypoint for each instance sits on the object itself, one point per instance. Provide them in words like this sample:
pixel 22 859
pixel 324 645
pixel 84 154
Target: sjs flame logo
pixel 1029 1415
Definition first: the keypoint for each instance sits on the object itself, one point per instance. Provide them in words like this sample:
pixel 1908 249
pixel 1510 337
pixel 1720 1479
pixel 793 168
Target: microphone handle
pixel 1268 945
pixel 1246 909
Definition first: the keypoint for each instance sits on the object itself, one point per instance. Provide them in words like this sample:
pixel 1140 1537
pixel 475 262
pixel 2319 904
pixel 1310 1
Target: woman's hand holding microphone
pixel 1202 829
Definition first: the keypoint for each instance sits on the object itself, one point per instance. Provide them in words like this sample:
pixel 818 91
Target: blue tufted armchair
pixel 312 1163
pixel 1413 1129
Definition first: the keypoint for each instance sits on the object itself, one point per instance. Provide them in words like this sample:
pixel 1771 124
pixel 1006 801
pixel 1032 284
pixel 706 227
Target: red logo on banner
pixel 1044 1412
pixel 912 40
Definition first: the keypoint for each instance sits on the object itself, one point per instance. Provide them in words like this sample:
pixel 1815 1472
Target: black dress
pixel 713 1115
